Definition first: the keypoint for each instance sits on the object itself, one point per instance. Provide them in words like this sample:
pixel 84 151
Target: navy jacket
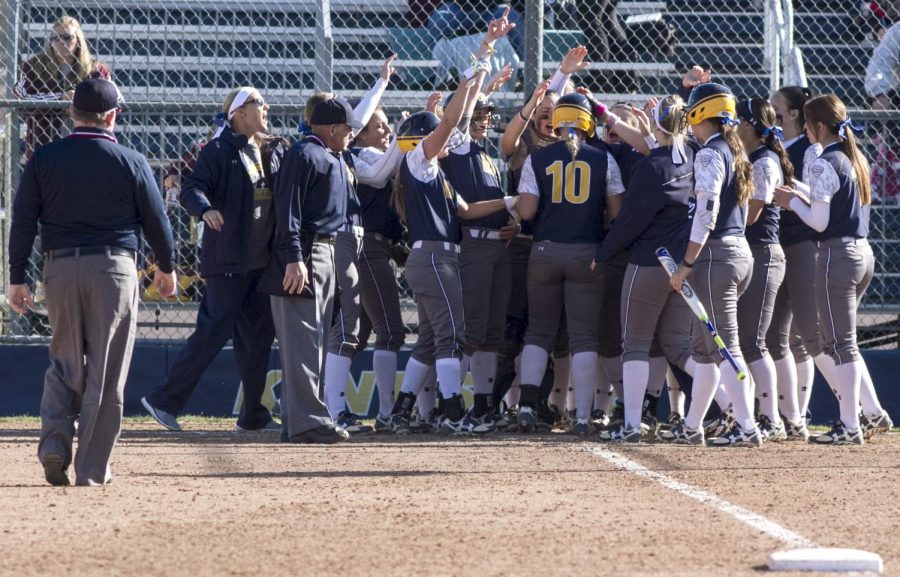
pixel 219 181
pixel 87 190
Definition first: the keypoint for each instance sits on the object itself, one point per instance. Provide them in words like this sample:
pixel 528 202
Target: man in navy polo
pixel 92 197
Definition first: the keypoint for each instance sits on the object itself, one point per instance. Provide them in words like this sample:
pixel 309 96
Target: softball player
pixel 656 211
pixel 771 167
pixel 721 262
pixel 563 188
pixel 838 209
pixel 432 209
pixel 793 339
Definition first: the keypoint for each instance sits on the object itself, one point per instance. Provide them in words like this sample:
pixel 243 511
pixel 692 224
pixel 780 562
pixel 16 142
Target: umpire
pixel 93 198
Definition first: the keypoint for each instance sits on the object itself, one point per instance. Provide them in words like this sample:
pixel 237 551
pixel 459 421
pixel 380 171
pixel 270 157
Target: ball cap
pixel 96 95
pixel 334 111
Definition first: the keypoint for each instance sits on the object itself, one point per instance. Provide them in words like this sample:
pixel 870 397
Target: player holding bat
pixel 719 261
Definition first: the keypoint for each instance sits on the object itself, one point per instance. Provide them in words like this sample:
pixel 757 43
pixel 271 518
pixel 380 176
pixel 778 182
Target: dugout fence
pixel 176 60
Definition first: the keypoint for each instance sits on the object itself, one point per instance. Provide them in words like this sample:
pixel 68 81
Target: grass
pixel 139 420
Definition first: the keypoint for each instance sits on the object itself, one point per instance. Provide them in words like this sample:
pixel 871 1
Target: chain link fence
pixel 176 61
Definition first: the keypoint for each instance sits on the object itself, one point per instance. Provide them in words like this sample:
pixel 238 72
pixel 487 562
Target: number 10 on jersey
pixel 573 180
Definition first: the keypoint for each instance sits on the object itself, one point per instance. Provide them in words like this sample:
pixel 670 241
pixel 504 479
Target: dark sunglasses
pixel 63 37
pixel 257 101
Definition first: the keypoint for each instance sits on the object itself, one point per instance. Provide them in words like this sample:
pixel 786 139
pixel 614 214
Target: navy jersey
pixel 657 209
pixel 765 229
pixel 572 194
pixel 354 211
pixel 847 216
pixel 626 157
pixel 732 217
pixel 473 175
pixel 431 205
pixel 378 215
pixel 792 229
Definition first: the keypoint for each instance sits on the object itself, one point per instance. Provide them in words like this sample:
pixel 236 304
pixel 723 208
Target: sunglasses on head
pixel 63 37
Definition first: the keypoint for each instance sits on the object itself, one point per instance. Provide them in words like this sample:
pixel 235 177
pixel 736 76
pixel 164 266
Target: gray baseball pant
pixel 485 272
pixel 757 304
pixel 344 336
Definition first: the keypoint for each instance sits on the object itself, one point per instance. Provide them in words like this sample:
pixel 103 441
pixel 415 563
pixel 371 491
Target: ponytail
pixel 573 141
pixel 743 170
pixel 860 168
pixel 398 197
pixel 830 111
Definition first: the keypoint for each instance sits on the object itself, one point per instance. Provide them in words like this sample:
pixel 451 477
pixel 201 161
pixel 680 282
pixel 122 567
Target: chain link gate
pixel 176 60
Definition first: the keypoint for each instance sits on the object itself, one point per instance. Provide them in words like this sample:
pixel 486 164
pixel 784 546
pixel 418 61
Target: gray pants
pixel 379 295
pixel 651 311
pixel 758 302
pixel 721 275
pixel 300 325
pixel 486 275
pixel 843 272
pixel 432 272
pixel 344 336
pixel 559 274
pixel 795 322
pixel 91 302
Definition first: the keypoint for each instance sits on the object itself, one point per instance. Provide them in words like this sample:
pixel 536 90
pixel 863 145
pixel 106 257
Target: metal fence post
pixel 324 74
pixel 9 144
pixel 534 44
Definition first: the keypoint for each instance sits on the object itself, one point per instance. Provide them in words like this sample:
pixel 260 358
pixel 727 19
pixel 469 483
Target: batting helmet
pixel 710 100
pixel 415 128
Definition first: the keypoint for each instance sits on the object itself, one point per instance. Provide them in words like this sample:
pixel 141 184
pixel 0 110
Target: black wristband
pixel 687 264
pixel 522 116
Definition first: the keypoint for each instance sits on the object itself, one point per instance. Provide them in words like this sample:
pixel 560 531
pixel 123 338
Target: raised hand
pixel 387 69
pixel 434 100
pixel 499 28
pixel 695 76
pixel 574 60
pixel 499 79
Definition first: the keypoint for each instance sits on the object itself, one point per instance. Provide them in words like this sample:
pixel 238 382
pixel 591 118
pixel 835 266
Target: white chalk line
pixel 745 516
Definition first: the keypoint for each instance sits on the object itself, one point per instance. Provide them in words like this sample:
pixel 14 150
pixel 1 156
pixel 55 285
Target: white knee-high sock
pixel 448 377
pixel 786 379
pixel 763 373
pixel 612 366
pixel 337 372
pixel 656 376
pixel 806 372
pixel 384 365
pixel 868 398
pixel 603 393
pixel 484 370
pixel 676 395
pixel 534 364
pixel 427 399
pixel 635 375
pixel 826 366
pixel 512 395
pixel 848 377
pixel 464 366
pixel 414 376
pixel 741 400
pixel 706 381
pixel 721 396
pixel 689 366
pixel 584 375
pixel 562 374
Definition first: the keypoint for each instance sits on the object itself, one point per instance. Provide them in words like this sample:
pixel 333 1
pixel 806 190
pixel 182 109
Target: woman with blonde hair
pixel 837 208
pixel 52 75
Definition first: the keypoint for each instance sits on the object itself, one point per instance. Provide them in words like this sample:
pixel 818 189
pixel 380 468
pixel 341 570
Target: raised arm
pixel 519 122
pixel 369 103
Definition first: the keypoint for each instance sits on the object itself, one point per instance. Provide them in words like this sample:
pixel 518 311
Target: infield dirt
pixel 211 502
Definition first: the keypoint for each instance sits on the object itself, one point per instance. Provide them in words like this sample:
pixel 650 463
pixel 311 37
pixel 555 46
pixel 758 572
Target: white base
pixel 825 559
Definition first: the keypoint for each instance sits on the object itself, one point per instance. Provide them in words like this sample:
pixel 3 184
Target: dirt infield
pixel 218 503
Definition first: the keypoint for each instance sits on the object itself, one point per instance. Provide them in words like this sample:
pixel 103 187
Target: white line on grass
pixel 750 518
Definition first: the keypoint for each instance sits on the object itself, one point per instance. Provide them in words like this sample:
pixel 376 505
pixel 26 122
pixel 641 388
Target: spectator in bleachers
pixel 881 81
pixel 452 18
pixel 52 75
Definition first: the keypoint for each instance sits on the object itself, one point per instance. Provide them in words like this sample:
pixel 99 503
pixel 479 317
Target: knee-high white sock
pixel 848 377
pixel 337 371
pixel 562 374
pixel 689 366
pixel 612 366
pixel 786 379
pixel 676 395
pixel 763 373
pixel 464 366
pixel 706 381
pixel 826 366
pixel 448 377
pixel 806 372
pixel 721 396
pixel 571 401
pixel 414 376
pixel 384 365
pixel 656 376
pixel 484 370
pixel 427 399
pixel 512 395
pixel 741 400
pixel 635 375
pixel 534 364
pixel 584 375
pixel 868 398
pixel 603 392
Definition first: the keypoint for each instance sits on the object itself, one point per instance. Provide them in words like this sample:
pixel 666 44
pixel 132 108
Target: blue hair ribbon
pixel 776 130
pixel 848 123
pixel 219 119
pixel 304 127
pixel 727 120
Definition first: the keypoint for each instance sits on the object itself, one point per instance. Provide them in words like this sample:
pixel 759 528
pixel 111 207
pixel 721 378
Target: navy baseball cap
pixel 334 111
pixel 96 95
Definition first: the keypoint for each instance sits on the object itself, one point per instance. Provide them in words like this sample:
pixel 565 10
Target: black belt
pixel 316 237
pixel 88 250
